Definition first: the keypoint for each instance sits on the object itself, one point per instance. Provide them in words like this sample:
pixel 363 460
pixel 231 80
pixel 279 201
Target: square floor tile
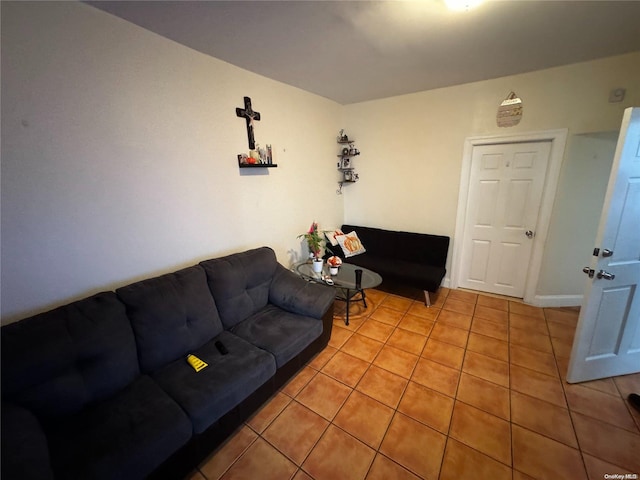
pixel 377 330
pixel 561 330
pixel 463 296
pixel 387 315
pixel 228 453
pixel 382 385
pixel 535 341
pixel 488 346
pixel 419 309
pixel 345 368
pixel 364 348
pixel 498 316
pixel 599 405
pixel 530 324
pixel 395 302
pixel 487 396
pixel 543 417
pixel 459 306
pixel 597 469
pixel 537 385
pixel 385 469
pixel 444 353
pixel 534 360
pixel 448 334
pixel 262 461
pixel 413 445
pixel 408 341
pixel 524 309
pixel 561 347
pixel 462 462
pixel 492 302
pixel 322 357
pixel 436 376
pixel 269 412
pixel 338 455
pixel 482 431
pixel 490 329
pixel 324 395
pixel 396 361
pixel 562 316
pixel 607 442
pixel 542 457
pixel 364 418
pixel 427 406
pixel 488 368
pixel 298 382
pixel 339 335
pixel 455 319
pixel 296 431
pixel 416 324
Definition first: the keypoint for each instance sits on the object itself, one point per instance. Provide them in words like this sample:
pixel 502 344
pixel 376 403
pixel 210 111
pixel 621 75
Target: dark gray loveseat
pixel 101 389
pixel 414 259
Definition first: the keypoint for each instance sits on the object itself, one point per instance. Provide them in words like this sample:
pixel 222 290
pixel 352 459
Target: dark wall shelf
pixel 258 165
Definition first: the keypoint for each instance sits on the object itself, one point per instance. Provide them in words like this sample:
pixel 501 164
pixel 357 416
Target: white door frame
pixel 558 139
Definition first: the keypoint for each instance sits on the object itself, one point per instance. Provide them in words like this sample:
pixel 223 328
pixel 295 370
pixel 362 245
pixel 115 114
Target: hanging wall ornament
pixel 509 111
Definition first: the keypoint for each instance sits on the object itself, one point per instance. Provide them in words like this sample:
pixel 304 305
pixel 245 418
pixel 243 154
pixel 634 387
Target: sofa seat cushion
pixel 127 436
pixel 425 277
pixel 210 393
pixel 282 333
pixel 171 315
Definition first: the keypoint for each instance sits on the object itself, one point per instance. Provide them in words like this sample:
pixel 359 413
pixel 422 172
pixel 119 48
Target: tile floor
pixel 470 388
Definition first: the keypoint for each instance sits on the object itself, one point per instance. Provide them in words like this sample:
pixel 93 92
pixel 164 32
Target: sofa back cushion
pixel 171 315
pixel 56 362
pixel 240 283
pixel 408 246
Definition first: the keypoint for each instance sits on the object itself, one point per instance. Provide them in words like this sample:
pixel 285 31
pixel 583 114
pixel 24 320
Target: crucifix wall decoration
pixel 250 116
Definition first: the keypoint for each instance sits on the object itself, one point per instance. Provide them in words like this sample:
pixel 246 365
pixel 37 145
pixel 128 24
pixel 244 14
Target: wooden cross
pixel 249 115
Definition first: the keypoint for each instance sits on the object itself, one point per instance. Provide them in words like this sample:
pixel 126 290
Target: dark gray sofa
pixel 100 388
pixel 414 259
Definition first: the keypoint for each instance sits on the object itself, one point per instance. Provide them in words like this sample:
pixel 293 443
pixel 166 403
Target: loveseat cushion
pixel 282 333
pixel 210 393
pixel 171 315
pixel 425 277
pixel 25 453
pixel 57 362
pixel 240 283
pixel 127 436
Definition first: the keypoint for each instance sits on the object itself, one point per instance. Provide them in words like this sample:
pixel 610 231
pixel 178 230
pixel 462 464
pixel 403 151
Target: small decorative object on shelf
pixel 345 165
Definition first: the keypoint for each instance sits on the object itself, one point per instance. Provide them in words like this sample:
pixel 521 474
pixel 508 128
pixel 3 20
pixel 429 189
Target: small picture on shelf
pixel 345 163
pixel 350 176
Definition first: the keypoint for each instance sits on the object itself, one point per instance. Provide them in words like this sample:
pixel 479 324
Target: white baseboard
pixel 557 300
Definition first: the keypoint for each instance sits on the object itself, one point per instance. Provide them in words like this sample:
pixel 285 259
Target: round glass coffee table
pixel 350 282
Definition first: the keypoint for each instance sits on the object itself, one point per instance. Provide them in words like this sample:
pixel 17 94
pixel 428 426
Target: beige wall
pixel 118 153
pixel 412 146
pixel 119 157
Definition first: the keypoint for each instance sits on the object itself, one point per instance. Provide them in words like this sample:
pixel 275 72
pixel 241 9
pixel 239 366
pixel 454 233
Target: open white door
pixel 607 340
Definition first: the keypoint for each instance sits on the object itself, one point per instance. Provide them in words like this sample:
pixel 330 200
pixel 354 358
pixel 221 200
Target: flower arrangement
pixel 314 240
pixel 334 261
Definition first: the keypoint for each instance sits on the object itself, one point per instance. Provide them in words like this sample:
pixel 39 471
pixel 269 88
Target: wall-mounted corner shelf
pixel 258 165
pixel 345 165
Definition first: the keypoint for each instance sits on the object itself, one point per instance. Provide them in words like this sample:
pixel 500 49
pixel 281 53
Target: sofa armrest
pixel 294 294
pixel 25 452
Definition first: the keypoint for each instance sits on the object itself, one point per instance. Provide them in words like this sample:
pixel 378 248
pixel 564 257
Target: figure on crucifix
pixel 249 115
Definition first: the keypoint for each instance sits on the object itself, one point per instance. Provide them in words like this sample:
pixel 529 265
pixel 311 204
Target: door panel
pixel 505 192
pixel 607 340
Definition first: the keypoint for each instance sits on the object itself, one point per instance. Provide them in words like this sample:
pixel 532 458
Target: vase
pixel 317 265
pixel 333 270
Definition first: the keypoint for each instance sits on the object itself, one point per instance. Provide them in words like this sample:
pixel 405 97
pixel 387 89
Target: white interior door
pixel 505 191
pixel 607 340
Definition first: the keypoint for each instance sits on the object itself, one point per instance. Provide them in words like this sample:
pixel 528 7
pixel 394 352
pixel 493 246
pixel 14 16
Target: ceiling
pixel 353 51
